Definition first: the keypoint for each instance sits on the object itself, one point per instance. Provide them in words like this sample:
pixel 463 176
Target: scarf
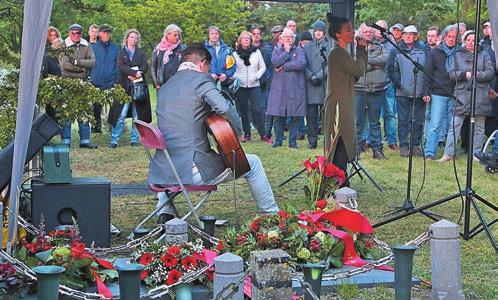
pixel 244 54
pixel 188 66
pixel 131 53
pixel 167 47
pixel 450 53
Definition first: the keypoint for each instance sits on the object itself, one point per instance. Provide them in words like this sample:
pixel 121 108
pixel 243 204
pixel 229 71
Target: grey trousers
pixel 454 131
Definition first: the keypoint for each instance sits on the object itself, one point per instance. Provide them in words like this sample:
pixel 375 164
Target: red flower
pixel 254 225
pixel 333 171
pixel 78 251
pixel 169 260
pixel 173 277
pixel 241 239
pixel 146 258
pixel 321 204
pixel 144 274
pixel 220 247
pixel 210 274
pixel 189 262
pixel 315 245
pixel 308 165
pixel 283 214
pixel 322 162
pixel 174 250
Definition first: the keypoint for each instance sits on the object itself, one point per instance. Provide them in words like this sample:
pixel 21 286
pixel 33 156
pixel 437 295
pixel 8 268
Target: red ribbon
pixel 101 287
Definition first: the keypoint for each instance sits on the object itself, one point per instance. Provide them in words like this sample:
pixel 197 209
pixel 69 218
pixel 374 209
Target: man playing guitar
pixel 184 103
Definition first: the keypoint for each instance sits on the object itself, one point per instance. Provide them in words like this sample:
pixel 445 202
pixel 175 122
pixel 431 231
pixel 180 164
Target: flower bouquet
pixel 323 178
pixel 166 264
pixel 64 248
pixel 13 284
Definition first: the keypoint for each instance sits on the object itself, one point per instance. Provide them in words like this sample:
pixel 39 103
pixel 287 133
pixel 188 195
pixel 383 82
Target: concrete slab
pixel 364 280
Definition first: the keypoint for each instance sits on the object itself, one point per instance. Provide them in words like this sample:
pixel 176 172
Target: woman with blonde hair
pixel 166 55
pixel 250 68
pixel 132 66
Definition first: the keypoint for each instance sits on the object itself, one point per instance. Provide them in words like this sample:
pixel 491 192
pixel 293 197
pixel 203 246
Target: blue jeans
pixel 120 124
pixel 84 132
pixel 404 120
pixel 279 123
pixel 265 92
pixel 370 116
pixel 389 115
pixel 439 107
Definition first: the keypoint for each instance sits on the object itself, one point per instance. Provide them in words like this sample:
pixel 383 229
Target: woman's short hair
pixel 212 27
pixel 335 24
pixel 127 34
pixel 172 28
pixel 242 34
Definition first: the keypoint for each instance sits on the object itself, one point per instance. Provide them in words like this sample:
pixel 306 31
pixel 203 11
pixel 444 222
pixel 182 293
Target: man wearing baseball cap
pixel 105 73
pixel 397 30
pixel 77 65
pixel 400 71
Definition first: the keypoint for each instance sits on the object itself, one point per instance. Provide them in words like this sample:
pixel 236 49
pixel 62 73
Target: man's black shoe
pixel 89 146
pixel 112 145
pixel 311 146
pixel 379 154
pixel 163 218
pixel 487 157
pixel 134 144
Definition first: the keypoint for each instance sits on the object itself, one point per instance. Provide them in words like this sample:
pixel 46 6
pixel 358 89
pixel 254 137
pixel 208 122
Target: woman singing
pixel 344 71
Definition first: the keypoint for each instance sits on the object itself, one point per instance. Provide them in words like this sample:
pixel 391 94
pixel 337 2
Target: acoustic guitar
pixel 228 144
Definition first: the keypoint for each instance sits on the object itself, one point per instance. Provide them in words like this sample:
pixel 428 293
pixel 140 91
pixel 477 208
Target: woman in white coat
pixel 250 68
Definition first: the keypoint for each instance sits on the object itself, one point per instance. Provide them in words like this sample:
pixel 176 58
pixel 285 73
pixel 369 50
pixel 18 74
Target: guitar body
pixel 228 144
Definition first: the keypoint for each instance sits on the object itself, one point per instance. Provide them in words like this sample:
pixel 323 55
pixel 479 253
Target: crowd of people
pixel 282 84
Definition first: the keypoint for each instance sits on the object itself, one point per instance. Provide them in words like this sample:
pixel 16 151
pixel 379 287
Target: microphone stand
pixel 408 203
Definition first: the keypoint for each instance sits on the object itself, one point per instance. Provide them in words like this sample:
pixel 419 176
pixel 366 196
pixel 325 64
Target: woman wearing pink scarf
pixel 167 55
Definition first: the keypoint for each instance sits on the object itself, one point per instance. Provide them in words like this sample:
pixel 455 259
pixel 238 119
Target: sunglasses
pixel 76 33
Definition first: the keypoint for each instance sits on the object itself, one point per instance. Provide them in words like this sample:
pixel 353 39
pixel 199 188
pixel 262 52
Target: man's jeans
pixel 258 185
pixel 370 115
pixel 279 123
pixel 389 114
pixel 453 135
pixel 439 107
pixel 404 120
pixel 265 92
pixel 120 124
pixel 84 132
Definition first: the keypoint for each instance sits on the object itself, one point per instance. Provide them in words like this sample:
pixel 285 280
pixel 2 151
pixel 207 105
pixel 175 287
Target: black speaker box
pixel 43 129
pixel 87 199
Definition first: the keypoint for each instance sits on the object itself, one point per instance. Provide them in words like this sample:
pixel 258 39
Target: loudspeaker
pixel 86 199
pixel 43 129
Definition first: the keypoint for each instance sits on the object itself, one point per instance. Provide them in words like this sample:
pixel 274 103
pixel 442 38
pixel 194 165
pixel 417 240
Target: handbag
pixel 138 93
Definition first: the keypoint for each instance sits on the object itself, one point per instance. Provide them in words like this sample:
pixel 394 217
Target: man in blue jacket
pixel 105 73
pixel 400 70
pixel 223 63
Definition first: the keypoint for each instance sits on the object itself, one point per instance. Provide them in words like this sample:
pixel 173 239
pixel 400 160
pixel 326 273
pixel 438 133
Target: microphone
pixel 379 28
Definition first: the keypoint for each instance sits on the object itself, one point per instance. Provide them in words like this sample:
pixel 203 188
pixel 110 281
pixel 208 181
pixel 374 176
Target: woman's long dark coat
pixel 124 67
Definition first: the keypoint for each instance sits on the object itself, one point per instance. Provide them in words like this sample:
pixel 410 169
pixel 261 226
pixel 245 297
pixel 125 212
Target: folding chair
pixel 490 141
pixel 152 138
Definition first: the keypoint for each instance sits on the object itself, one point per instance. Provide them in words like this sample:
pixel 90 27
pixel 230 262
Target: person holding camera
pixel 316 53
pixel 370 92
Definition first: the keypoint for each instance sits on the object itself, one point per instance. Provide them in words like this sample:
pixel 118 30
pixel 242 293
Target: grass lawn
pixel 127 164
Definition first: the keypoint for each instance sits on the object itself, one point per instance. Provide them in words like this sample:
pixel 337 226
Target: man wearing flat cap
pixel 105 73
pixel 77 65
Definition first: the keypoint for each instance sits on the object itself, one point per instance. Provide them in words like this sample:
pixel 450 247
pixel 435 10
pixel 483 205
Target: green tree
pixel 270 14
pixel 420 13
pixel 150 17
